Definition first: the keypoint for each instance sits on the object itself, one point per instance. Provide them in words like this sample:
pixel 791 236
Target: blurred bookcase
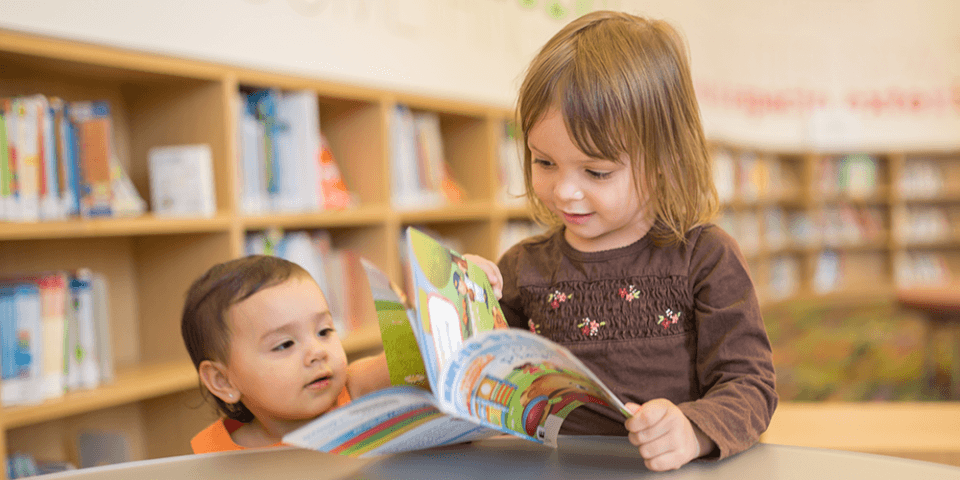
pixel 829 238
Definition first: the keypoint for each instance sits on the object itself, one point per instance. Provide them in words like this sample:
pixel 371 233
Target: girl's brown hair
pixel 204 326
pixel 623 85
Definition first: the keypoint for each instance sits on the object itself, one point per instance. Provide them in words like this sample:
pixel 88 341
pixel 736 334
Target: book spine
pixel 85 349
pixel 53 293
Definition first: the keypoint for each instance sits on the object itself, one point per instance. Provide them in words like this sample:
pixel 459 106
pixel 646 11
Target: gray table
pixel 510 458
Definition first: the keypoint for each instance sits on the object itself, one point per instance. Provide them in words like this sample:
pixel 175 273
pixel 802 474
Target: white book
pixel 28 134
pixel 298 148
pixel 181 181
pixel 83 349
pixel 404 168
pixel 102 328
pixel 250 139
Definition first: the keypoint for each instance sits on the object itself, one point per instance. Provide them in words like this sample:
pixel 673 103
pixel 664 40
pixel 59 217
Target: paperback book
pixel 459 373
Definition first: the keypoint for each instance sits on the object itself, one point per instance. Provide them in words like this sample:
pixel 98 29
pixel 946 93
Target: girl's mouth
pixel 576 218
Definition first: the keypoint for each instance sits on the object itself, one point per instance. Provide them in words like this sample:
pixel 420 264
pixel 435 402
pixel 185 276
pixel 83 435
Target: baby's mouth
pixel 321 381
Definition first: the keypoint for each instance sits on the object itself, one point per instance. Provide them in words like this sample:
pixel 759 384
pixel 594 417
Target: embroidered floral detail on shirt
pixel 558 297
pixel 629 294
pixel 590 328
pixel 670 318
pixel 534 327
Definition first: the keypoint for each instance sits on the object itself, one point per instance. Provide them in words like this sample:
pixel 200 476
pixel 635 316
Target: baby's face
pixel 285 357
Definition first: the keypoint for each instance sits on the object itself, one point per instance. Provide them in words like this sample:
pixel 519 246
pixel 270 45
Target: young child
pixel 262 339
pixel 633 279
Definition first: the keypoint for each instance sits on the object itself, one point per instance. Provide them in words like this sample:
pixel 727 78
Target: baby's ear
pixel 214 377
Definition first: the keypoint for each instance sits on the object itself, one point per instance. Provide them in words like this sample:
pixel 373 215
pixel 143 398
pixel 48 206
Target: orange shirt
pixel 216 437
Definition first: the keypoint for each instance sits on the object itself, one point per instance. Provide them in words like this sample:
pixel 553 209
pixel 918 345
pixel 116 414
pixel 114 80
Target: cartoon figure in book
pixel 547 391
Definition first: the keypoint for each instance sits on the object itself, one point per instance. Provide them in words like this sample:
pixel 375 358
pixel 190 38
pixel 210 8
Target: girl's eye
pixel 543 163
pixel 283 346
pixel 598 175
pixel 325 332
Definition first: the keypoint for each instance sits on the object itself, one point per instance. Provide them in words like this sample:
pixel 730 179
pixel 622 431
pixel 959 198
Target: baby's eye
pixel 325 332
pixel 283 346
pixel 598 174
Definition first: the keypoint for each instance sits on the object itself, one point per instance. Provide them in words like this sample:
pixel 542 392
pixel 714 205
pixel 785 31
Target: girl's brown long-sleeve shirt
pixel 680 322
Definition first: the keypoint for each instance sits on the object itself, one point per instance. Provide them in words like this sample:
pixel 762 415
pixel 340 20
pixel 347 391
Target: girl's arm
pixel 734 358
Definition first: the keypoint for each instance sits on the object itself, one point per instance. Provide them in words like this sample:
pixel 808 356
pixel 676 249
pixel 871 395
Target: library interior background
pixel 834 128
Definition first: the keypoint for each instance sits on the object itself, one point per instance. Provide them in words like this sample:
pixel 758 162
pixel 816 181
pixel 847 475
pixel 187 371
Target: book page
pixel 397 419
pixel 453 300
pixel 396 317
pixel 519 383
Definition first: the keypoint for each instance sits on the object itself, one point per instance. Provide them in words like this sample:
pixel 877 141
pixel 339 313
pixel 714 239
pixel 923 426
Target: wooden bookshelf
pixel 150 261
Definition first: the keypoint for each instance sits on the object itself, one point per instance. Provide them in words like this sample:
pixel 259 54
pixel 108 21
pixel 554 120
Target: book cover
pixel 94 134
pixel 483 379
pixel 181 181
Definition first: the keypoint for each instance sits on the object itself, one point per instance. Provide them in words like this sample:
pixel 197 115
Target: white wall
pixel 792 73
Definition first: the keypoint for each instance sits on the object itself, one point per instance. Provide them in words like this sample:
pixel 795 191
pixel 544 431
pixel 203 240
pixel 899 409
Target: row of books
pixel 921 268
pixel 57 159
pixel 286 164
pixel 910 269
pixel 748 176
pixel 855 175
pixel 777 227
pixel 918 224
pixel 419 172
pixel 54 335
pixel 338 272
pixel 921 178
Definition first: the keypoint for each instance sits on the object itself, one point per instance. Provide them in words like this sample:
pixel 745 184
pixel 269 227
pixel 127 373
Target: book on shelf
pixel 181 181
pixel 418 167
pixel 459 374
pixel 57 160
pixel 54 334
pixel 286 164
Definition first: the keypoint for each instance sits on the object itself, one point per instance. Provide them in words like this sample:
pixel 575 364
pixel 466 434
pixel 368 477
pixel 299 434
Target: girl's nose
pixel 568 190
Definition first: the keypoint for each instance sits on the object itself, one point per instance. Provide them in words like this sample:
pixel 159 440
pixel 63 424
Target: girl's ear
pixel 214 377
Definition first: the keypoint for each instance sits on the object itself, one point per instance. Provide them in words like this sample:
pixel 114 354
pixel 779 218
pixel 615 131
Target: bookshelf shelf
pixel 467 211
pixel 113 227
pixel 131 385
pixel 365 215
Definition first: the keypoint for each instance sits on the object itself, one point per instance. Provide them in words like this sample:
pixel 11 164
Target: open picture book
pixel 458 372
